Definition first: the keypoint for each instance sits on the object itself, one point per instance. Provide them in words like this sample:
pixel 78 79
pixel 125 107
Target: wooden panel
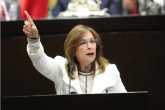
pixel 19 77
pixel 140 58
pixel 103 24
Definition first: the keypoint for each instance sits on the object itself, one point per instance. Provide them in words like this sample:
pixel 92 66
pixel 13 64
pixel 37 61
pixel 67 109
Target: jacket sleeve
pixel 119 86
pixel 47 66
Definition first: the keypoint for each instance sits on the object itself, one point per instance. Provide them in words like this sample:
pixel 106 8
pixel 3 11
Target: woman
pixel 82 47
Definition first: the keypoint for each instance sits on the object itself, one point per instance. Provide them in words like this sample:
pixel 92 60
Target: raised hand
pixel 29 27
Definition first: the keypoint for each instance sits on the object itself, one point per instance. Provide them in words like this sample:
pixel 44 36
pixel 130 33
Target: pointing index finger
pixel 29 18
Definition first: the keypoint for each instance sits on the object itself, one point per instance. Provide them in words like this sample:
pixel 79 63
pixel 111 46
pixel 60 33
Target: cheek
pixel 95 49
pixel 79 53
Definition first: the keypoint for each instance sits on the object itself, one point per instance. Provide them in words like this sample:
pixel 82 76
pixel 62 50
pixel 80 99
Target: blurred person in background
pixel 14 9
pixel 151 7
pixel 114 7
pixel 126 7
pixel 62 6
pixel 4 12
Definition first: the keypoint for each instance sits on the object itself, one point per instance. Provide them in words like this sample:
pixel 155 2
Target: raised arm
pixel 46 65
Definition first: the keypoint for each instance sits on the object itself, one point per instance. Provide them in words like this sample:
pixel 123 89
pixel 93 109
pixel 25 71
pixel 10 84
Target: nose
pixel 89 45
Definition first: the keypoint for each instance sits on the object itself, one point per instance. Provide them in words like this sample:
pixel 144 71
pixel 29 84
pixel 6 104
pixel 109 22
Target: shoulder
pixel 113 67
pixel 111 74
pixel 62 62
pixel 112 70
pixel 61 59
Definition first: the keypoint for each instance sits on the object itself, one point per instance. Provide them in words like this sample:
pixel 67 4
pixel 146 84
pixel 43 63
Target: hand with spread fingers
pixel 29 27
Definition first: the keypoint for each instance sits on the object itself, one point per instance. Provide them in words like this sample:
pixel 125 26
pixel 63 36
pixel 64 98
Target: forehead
pixel 87 35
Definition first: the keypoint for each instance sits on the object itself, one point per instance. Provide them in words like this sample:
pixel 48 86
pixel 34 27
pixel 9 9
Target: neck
pixel 82 67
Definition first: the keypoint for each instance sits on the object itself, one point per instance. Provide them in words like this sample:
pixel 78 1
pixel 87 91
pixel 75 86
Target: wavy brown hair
pixel 71 44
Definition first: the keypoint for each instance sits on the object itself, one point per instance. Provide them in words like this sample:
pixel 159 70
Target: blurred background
pixel 43 9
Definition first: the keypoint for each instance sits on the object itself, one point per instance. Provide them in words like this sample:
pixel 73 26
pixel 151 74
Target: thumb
pixel 35 32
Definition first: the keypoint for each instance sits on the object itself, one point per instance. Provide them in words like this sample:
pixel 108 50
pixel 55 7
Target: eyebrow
pixel 85 39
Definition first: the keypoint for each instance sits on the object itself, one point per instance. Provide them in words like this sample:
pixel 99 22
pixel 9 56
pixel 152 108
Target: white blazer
pixel 54 69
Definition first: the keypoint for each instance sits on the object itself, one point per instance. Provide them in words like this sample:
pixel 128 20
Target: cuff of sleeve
pixel 37 54
pixel 33 45
pixel 33 42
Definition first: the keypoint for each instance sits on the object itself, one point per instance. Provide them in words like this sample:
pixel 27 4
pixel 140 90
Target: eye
pixel 82 43
pixel 92 41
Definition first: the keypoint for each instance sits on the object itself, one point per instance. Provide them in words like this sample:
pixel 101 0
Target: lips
pixel 90 54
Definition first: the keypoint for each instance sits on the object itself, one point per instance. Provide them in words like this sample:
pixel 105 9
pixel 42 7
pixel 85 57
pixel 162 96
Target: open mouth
pixel 90 54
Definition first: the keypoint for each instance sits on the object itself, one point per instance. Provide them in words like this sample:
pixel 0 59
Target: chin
pixel 91 60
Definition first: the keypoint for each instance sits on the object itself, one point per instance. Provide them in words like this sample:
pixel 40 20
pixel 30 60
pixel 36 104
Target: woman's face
pixel 86 51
